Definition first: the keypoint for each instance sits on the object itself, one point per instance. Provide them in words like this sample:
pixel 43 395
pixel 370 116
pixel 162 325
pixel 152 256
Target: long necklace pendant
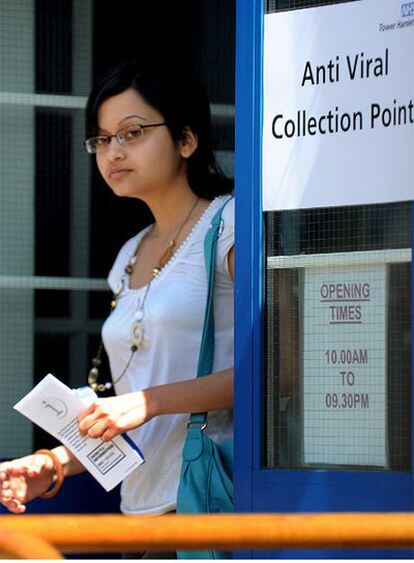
pixel 137 333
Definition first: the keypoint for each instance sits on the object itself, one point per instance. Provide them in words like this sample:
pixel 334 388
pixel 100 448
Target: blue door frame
pixel 256 489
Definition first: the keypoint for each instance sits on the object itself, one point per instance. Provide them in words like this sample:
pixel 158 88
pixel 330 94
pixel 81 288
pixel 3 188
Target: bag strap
pixel 206 357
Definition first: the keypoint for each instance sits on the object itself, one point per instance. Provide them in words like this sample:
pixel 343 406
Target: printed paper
pixel 55 407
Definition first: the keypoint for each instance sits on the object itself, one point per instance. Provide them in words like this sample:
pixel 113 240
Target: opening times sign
pixel 338 105
pixel 345 366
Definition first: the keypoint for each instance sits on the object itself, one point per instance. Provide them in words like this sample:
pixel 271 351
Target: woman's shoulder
pixel 226 234
pixel 218 204
pixel 223 204
pixel 227 206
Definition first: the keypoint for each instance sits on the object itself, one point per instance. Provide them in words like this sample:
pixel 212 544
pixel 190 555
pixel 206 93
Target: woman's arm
pixel 202 394
pixel 71 464
pixel 23 479
pixel 107 418
pixel 231 261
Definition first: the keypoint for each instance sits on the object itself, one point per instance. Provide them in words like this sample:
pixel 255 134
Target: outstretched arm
pixel 26 478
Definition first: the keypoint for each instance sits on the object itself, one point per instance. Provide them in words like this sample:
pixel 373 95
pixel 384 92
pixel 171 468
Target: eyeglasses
pixel 127 136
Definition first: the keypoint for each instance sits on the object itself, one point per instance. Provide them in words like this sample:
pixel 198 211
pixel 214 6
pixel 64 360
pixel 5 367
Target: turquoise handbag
pixel 206 482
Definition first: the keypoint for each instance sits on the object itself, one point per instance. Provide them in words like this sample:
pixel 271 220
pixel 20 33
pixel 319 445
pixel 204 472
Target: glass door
pixel 323 332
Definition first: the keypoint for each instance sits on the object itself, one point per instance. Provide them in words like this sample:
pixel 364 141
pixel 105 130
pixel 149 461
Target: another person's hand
pixel 111 416
pixel 24 479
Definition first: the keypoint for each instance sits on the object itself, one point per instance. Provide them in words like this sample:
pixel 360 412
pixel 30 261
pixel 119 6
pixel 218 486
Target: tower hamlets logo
pixel 407 9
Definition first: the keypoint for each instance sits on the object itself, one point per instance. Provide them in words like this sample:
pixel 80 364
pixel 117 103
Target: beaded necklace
pixel 137 330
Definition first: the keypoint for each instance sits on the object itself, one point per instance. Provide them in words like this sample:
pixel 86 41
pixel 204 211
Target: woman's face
pixel 152 163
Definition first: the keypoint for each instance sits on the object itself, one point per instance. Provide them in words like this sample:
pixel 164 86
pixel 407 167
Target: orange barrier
pixel 116 533
pixel 19 545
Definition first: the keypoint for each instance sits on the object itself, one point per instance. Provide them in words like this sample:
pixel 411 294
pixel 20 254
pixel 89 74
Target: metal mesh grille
pixel 272 6
pixel 337 377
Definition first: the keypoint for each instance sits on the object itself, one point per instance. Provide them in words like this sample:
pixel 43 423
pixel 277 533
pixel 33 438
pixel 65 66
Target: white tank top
pixel 173 317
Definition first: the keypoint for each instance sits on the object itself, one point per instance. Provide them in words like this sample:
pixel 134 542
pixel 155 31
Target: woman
pixel 149 127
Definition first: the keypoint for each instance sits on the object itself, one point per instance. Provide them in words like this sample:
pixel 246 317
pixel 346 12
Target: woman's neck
pixel 171 208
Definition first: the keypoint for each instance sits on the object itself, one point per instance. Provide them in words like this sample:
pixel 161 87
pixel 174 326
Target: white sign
pixel 338 122
pixel 55 408
pixel 345 366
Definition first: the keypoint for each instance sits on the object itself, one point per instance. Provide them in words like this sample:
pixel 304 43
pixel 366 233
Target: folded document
pixel 55 408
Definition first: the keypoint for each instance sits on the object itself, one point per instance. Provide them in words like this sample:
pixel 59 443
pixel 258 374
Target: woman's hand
pixel 107 418
pixel 24 479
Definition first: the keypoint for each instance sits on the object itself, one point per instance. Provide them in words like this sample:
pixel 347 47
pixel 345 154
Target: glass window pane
pixel 338 338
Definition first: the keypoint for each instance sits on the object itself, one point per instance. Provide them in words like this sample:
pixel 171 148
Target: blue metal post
pixel 249 17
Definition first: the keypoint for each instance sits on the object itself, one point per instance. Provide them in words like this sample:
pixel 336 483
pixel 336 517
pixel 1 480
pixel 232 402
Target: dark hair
pixel 180 98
